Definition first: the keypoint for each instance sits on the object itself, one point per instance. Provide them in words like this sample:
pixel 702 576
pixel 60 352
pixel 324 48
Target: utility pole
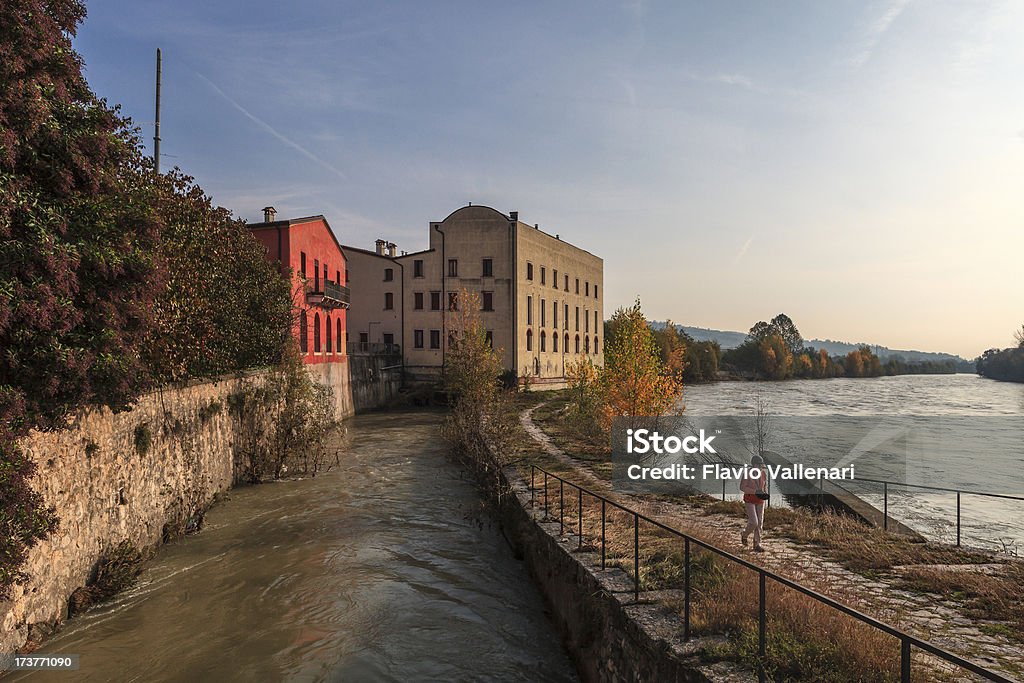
pixel 156 132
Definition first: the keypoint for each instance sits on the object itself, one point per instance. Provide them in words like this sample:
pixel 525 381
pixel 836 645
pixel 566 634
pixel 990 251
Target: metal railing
pixel 907 641
pixel 374 348
pixel 959 493
pixel 327 294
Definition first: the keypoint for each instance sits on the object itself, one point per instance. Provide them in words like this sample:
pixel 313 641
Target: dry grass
pixel 996 594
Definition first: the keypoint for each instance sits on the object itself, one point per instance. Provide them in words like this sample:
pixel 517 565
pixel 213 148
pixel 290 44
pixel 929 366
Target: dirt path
pixel 943 623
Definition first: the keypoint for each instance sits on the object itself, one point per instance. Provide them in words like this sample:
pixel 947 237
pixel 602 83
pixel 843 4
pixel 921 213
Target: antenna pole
pixel 156 133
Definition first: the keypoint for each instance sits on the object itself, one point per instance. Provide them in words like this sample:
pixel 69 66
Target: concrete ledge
pixel 609 635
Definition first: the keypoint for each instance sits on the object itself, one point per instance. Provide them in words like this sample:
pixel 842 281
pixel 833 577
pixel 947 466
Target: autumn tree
pixel 1018 337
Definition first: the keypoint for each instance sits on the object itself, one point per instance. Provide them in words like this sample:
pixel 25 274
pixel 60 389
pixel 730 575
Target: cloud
pixel 877 30
pixel 273 131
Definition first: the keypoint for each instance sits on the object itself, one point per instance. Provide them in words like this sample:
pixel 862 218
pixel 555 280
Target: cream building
pixel 542 299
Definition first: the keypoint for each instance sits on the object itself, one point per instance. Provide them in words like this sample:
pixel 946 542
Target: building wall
pixel 368 314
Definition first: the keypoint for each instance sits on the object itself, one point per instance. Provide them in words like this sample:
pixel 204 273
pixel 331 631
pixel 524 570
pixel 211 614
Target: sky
pixel 856 165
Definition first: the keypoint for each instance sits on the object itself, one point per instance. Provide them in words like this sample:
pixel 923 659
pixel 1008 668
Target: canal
pixel 382 569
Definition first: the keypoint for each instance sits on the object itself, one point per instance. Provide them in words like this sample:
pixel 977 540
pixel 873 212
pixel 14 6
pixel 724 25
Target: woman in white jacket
pixel 754 496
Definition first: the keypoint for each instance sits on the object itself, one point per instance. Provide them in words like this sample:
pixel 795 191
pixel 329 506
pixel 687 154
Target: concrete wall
pixel 376 380
pixel 127 476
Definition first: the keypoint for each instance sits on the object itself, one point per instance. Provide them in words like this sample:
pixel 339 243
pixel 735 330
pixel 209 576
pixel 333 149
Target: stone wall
pixel 140 476
pixel 611 636
pixel 376 379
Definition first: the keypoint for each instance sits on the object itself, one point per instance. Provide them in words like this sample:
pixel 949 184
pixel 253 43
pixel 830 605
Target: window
pixel 595 346
pixel 435 339
pixel 316 275
pixel 586 321
pixel 543 311
pixel 302 261
pixel 565 321
pixel 337 276
pixel 489 336
pixel 595 321
pixel 529 310
pixel 417 301
pixel 389 339
pixel 567 283
pixel 488 301
pixel 316 332
pixel 586 344
pixel 577 285
pixel 304 332
pixel 435 301
pixel 543 341
pixel 543 275
pixel 554 278
pixel 529 271
pixel 364 338
pixel 488 270
pixel 389 274
pixel 529 340
pixel 595 290
pixel 453 301
pixel 338 339
pixel 389 301
pixel 325 273
pixel 329 348
pixel 554 342
pixel 554 315
pixel 565 346
pixel 577 318
pixel 417 339
pixel 347 277
pixel 417 268
pixel 588 289
pixel 577 343
pixel 453 267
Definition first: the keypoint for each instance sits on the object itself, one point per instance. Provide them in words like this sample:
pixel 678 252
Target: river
pixel 382 569
pixel 965 409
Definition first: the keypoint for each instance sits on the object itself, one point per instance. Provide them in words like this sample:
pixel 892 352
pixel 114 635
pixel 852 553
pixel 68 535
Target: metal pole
pixel 579 510
pixel 533 492
pixel 156 130
pixel 636 557
pixel 885 506
pixel 545 496
pixel 561 507
pixel 762 627
pixel 686 588
pixel 957 519
pixel 723 489
pixel 602 532
pixel 904 660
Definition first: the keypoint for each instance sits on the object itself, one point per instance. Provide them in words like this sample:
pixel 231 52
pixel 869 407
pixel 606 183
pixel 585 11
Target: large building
pixel 541 297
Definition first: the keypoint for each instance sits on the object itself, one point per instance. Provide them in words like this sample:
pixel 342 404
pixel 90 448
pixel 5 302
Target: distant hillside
pixel 729 339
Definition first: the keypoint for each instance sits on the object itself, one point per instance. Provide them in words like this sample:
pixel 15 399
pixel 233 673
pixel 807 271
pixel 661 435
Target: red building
pixel 308 249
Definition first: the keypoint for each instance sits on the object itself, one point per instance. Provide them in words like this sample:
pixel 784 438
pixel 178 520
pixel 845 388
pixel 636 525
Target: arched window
pixel 595 338
pixel 303 332
pixel 554 342
pixel 529 340
pixel 586 344
pixel 577 343
pixel 339 341
pixel 316 333
pixel 543 341
pixel 330 348
pixel 565 346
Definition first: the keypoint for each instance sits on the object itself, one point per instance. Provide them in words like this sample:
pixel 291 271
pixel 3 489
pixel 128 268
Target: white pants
pixel 755 520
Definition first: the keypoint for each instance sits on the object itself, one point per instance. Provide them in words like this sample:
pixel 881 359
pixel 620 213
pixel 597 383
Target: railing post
pixel 636 557
pixel 723 489
pixel 686 588
pixel 762 626
pixel 579 511
pixel 602 532
pixel 561 507
pixel 885 505
pixel 904 660
pixel 546 513
pixel 533 492
pixel 957 519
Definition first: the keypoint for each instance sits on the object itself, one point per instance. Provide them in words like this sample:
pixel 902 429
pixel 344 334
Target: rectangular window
pixel 529 310
pixel 453 301
pixel 316 275
pixel 417 268
pixel 595 290
pixel 487 301
pixel 417 339
pixel 577 318
pixel 435 301
pixel 453 267
pixel 543 275
pixel 554 278
pixel 566 321
pixel 490 338
pixel 595 322
pixel 529 271
pixel 554 315
pixel 337 276
pixel 302 260
pixel 364 338
pixel 567 283
pixel 588 289
pixel 586 320
pixel 389 274
pixel 488 270
pixel 543 311
pixel 325 273
pixel 389 338
pixel 577 285
pixel 435 339
pixel 417 301
pixel 389 301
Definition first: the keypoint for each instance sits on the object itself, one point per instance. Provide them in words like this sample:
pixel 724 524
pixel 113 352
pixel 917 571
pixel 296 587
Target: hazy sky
pixel 859 166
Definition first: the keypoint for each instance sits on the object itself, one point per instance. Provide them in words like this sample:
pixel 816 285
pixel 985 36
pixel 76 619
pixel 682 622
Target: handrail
pixel 906 640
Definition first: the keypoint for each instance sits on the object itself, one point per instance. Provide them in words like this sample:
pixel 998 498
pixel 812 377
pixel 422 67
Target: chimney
pixel 513 215
pixel 380 244
pixel 269 214
pixel 392 249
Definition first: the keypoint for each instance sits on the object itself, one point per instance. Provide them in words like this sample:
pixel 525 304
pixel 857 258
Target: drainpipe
pixel 401 315
pixel 444 301
pixel 515 300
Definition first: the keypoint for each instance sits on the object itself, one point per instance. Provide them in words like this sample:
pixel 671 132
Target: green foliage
pixel 1005 364
pixel 143 439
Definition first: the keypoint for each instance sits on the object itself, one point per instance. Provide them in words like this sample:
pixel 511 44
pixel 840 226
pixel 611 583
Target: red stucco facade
pixel 307 248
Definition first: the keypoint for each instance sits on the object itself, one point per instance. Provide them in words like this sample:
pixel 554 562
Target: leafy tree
pixel 1018 336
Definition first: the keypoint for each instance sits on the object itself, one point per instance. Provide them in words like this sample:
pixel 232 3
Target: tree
pixel 1018 336
pixel 783 326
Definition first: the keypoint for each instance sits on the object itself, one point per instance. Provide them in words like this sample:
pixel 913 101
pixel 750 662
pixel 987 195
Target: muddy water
pixel 379 570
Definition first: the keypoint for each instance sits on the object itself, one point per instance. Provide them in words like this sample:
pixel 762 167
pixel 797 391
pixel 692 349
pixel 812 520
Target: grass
pixel 995 594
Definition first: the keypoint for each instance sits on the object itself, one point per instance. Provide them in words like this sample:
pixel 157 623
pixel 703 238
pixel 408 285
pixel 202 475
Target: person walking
pixel 755 493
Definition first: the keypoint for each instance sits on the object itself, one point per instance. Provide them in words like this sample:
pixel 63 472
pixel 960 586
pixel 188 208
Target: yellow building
pixel 542 299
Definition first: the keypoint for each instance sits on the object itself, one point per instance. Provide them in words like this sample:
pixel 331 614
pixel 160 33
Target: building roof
pixel 264 225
